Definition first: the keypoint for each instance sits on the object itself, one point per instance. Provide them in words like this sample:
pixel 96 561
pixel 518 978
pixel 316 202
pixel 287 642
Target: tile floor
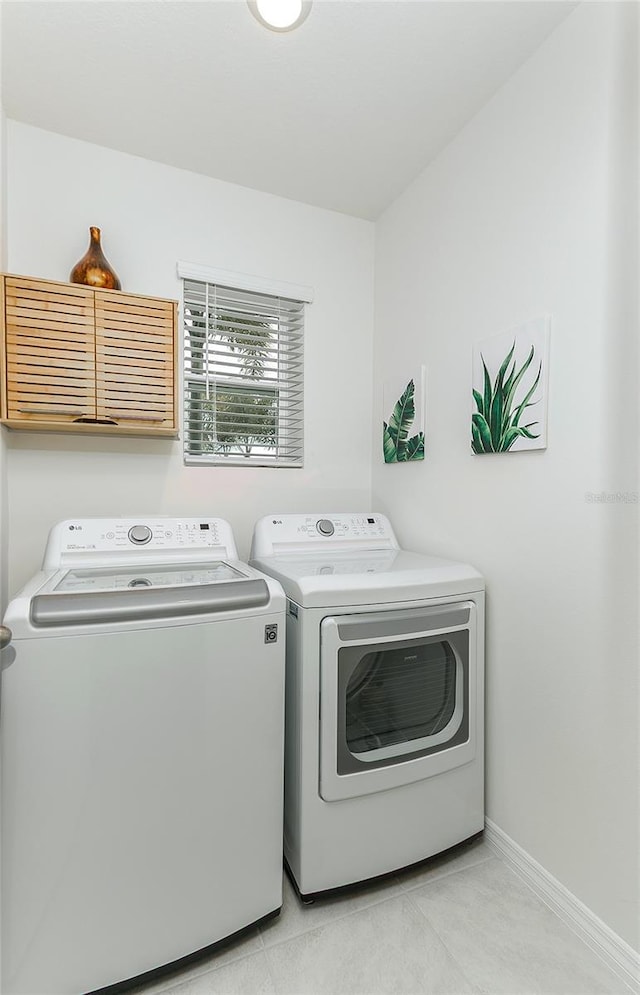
pixel 465 923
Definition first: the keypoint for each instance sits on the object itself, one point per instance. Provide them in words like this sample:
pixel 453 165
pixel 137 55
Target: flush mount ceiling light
pixel 280 15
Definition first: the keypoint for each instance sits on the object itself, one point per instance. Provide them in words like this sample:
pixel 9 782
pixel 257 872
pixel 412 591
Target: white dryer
pixel 384 740
pixel 142 736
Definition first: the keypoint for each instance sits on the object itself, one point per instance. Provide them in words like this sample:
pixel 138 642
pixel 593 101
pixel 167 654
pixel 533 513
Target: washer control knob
pixel 325 527
pixel 139 534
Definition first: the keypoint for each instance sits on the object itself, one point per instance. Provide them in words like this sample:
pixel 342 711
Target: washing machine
pixel 384 741
pixel 141 732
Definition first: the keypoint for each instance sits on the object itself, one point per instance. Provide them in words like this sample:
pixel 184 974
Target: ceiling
pixel 342 113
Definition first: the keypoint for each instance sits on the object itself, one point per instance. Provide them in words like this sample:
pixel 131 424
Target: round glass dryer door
pixel 401 699
pixel 400 696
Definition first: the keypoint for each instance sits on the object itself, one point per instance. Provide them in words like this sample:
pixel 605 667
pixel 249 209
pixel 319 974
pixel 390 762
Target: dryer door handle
pixel 404 625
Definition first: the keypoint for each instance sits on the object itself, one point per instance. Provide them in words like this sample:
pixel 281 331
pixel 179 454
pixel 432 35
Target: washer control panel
pixel 169 538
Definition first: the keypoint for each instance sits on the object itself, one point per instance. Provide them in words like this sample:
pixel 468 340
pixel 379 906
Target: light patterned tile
pixel 297 918
pixel 249 976
pixel 505 938
pixel 447 863
pixel 386 948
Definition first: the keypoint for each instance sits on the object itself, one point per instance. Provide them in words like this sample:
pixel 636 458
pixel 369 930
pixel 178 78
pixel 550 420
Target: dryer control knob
pixel 140 534
pixel 325 527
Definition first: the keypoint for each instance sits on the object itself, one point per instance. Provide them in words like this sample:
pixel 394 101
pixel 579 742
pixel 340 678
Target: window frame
pixel 294 382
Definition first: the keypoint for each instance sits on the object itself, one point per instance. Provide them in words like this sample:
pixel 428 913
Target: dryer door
pixel 398 697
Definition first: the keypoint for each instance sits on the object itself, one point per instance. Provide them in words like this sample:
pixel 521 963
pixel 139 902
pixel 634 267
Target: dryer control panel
pixel 145 538
pixel 277 533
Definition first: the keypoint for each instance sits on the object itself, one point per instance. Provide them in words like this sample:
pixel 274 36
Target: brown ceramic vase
pixel 93 269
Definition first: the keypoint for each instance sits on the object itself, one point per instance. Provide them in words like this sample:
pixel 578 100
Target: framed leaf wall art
pixel 509 390
pixel 403 426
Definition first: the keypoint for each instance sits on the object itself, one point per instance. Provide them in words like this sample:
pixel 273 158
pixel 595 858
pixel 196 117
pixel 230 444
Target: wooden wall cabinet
pixel 75 358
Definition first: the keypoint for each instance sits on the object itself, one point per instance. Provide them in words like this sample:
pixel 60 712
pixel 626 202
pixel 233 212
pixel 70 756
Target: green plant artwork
pixel 397 446
pixel 495 426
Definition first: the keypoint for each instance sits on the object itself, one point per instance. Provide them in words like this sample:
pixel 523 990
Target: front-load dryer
pixel 384 742
pixel 142 738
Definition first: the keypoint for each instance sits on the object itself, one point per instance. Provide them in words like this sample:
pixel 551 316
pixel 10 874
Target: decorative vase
pixel 93 269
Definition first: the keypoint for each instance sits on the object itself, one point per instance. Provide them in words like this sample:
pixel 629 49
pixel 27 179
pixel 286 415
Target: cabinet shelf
pixel 81 359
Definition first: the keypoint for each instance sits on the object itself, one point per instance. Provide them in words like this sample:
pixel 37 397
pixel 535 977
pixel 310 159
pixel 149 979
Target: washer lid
pixel 101 596
pixel 369 577
pixel 143 575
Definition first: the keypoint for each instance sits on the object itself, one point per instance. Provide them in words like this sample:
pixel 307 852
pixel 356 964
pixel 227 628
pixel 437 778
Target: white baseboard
pixel 618 955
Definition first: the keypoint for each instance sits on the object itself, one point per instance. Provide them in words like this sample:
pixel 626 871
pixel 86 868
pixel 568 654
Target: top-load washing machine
pixel 384 740
pixel 142 737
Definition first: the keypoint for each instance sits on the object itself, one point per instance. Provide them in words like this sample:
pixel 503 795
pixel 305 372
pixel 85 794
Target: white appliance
pixel 142 740
pixel 384 709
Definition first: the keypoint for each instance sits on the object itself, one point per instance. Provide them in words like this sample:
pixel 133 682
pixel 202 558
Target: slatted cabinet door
pixel 135 360
pixel 49 352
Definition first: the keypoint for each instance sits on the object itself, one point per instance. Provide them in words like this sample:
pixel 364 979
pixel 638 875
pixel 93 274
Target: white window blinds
pixel 243 377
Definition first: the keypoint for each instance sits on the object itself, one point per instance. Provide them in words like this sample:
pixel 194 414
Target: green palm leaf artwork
pixel 397 445
pixel 495 426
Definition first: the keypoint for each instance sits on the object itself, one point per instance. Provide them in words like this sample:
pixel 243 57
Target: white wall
pixel 531 210
pixel 151 216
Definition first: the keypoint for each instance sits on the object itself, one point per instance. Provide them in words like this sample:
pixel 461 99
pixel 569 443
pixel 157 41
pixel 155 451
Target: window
pixel 243 384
